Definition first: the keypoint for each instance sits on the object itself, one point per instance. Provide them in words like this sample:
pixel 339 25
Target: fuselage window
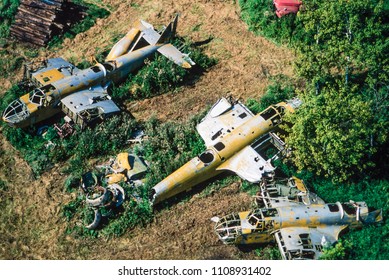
pixel 108 67
pixel 219 146
pixel 349 209
pixel 95 69
pixel 243 115
pixel 253 220
pixel 333 207
pixel 207 157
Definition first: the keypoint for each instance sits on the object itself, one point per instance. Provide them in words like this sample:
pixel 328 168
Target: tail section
pixel 143 34
pixel 169 31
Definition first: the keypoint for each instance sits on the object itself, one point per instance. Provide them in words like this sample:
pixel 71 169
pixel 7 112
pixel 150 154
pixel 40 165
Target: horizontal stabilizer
pixel 305 243
pixel 176 56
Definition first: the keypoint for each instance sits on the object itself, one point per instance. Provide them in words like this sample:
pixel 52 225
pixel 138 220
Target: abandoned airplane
pixel 233 136
pixel 301 223
pixel 82 94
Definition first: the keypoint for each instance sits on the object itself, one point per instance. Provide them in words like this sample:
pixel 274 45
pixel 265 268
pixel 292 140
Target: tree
pixel 332 132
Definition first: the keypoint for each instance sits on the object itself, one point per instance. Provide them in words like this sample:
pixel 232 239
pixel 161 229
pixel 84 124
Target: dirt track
pixel 32 227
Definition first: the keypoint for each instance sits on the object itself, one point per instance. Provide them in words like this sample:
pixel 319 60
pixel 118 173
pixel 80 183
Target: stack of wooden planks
pixel 37 21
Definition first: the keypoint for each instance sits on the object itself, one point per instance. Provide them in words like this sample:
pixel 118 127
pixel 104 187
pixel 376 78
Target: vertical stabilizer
pixel 169 31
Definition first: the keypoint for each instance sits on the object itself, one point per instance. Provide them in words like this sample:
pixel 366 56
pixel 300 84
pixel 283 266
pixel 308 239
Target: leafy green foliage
pixel 343 37
pixel 279 90
pixel 3 185
pixel 169 146
pixel 261 18
pixel 268 253
pixel 336 252
pixel 9 63
pixel 8 10
pixel 339 124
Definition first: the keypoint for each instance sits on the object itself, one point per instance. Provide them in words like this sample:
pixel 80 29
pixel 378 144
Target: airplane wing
pixel 304 242
pixel 172 53
pixel 89 104
pixel 248 165
pixel 286 192
pixel 223 117
pixel 54 70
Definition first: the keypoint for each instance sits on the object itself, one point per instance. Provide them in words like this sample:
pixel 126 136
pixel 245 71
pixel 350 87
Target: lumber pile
pixel 38 21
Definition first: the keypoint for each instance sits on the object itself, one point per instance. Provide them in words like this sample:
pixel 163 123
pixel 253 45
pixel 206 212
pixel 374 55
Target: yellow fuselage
pixel 210 163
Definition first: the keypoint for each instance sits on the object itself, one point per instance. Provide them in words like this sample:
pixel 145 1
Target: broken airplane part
pixel 232 134
pixel 82 94
pixel 301 228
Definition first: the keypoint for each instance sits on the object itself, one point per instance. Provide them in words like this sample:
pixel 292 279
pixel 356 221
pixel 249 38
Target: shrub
pixel 8 10
pixel 280 89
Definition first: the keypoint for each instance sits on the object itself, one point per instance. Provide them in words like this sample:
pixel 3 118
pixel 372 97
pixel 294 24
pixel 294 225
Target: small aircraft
pixel 300 222
pixel 234 137
pixel 82 94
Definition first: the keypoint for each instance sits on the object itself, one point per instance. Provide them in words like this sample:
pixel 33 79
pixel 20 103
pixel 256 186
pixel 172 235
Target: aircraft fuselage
pixel 210 162
pixel 42 103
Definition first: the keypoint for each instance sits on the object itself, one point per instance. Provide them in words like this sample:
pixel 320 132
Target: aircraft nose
pixel 228 228
pixel 15 112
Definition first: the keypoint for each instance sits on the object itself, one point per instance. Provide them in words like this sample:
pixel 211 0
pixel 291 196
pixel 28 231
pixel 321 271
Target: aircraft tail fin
pixel 169 31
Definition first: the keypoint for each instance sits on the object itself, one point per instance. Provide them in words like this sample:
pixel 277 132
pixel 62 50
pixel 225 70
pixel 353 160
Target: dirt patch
pixel 32 226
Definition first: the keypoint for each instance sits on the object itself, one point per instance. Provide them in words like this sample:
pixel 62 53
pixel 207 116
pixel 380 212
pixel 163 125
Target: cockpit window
pixel 270 112
pixel 37 96
pixel 109 67
pixel 95 69
pixel 333 207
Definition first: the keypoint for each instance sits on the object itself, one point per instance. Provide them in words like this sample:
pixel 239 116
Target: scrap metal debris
pixel 284 7
pixel 125 169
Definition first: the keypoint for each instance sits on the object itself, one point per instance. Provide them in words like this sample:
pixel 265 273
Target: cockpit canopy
pixel 15 112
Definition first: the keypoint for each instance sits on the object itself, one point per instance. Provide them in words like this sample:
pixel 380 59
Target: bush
pixel 261 18
pixel 8 10
pixel 280 89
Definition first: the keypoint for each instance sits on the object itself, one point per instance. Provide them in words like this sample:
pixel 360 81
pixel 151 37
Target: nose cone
pixel 15 113
pixel 228 228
